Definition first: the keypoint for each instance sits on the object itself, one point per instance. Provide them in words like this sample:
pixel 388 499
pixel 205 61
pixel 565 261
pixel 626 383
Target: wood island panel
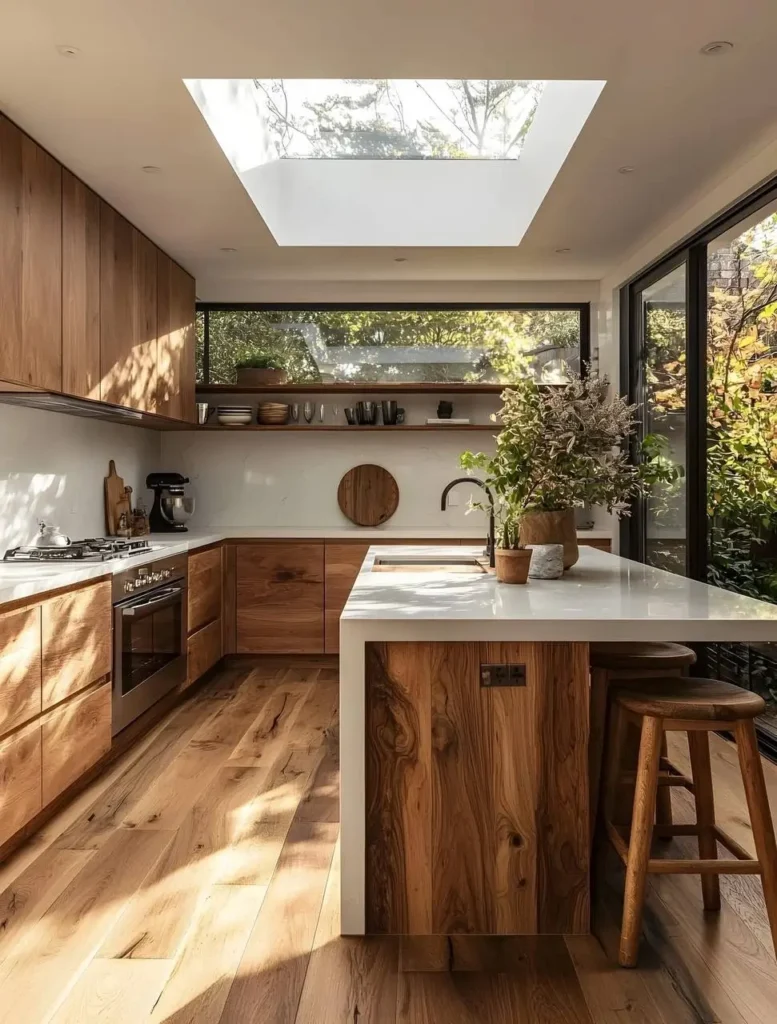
pixel 20 667
pixel 76 640
pixel 279 591
pixel 476 797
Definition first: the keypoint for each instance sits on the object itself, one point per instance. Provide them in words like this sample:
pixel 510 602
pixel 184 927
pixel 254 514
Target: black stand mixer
pixel 172 506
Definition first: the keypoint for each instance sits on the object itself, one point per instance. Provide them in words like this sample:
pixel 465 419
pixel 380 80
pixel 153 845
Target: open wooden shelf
pixel 342 389
pixel 304 428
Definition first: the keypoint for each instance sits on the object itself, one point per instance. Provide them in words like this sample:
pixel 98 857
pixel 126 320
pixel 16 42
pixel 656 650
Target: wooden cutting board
pixel 117 500
pixel 368 495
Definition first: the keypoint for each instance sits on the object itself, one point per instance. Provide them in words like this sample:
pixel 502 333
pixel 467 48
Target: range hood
pixel 54 401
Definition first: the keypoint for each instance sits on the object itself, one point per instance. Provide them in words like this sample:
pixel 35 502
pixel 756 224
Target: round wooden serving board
pixel 368 495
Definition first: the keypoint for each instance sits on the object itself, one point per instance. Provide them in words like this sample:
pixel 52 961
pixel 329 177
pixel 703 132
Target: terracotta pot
pixel 552 528
pixel 252 377
pixel 512 565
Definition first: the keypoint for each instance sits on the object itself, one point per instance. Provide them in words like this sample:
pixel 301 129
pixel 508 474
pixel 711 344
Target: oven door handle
pixel 168 598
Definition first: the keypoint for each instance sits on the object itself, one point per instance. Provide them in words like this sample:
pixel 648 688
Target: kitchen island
pixel 464 709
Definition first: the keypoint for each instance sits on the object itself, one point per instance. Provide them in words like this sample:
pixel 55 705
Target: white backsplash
pixel 52 467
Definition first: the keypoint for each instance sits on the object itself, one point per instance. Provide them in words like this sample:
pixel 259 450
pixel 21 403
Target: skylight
pixel 400 119
pixel 349 162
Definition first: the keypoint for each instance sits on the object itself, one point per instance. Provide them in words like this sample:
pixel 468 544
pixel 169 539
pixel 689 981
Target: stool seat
pixel 693 700
pixel 640 657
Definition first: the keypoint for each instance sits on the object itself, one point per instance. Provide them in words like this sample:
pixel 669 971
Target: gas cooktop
pixel 94 549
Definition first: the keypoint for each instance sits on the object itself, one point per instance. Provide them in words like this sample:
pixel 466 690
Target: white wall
pixel 52 468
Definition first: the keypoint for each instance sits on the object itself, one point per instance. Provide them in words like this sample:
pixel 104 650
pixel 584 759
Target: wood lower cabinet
pixel 279 597
pixel 20 667
pixel 204 650
pixel 602 544
pixel 204 587
pixel 76 641
pixel 176 340
pixel 74 737
pixel 80 289
pixel 30 261
pixel 20 779
pixel 341 565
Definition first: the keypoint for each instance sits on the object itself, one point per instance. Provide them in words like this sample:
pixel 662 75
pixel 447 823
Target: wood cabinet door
pixel 73 738
pixel 341 567
pixel 80 289
pixel 30 261
pixel 20 772
pixel 204 650
pixel 176 331
pixel 20 675
pixel 279 593
pixel 204 588
pixel 76 639
pixel 128 314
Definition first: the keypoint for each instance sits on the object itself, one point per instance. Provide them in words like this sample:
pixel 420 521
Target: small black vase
pixel 444 410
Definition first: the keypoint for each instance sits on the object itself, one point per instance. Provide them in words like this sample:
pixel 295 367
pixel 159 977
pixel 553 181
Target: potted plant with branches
pixel 562 448
pixel 261 371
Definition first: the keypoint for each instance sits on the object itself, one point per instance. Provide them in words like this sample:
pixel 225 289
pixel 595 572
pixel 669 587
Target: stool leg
pixel 612 769
pixel 664 795
pixel 760 817
pixel 699 746
pixel 640 839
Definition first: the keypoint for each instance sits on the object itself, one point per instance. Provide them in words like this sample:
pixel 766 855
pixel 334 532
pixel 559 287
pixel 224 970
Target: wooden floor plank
pixel 199 983
pixel 347 979
pixel 114 992
pixel 317 715
pixel 38 975
pixel 267 736
pixel 272 971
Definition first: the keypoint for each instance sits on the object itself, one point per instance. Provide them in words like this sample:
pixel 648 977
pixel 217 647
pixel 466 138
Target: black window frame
pixel 583 308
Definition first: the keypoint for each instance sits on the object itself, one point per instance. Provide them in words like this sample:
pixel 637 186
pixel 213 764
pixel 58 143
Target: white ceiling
pixel 675 116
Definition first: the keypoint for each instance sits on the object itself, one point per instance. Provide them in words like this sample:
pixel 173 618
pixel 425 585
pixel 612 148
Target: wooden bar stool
pixel 697 707
pixel 622 663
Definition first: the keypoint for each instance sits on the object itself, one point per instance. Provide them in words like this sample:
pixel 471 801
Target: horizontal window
pixel 393 345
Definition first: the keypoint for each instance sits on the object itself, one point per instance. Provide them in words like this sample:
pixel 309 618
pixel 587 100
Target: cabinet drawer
pixel 20 779
pixel 76 632
pixel 204 588
pixel 342 563
pixel 204 651
pixel 73 738
pixel 20 671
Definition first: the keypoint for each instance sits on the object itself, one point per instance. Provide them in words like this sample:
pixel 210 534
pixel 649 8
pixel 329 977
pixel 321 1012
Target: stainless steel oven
pixel 149 636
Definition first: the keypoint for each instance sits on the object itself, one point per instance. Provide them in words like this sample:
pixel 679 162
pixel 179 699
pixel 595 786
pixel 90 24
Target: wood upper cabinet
pixel 20 667
pixel 30 261
pixel 76 641
pixel 80 289
pixel 128 314
pixel 204 587
pixel 176 332
pixel 279 595
pixel 341 565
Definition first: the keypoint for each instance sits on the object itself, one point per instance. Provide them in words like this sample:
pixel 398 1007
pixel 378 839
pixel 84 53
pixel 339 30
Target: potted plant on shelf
pixel 261 371
pixel 561 448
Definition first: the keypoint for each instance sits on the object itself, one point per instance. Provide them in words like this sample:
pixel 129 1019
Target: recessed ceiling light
pixel 151 169
pixel 400 259
pixel 68 51
pixel 716 48
pixel 626 169
pixel 562 250
pixel 227 248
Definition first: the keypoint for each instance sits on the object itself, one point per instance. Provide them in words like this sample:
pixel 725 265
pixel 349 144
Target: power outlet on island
pixel 503 675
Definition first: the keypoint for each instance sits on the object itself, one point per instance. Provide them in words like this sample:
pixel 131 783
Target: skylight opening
pixel 399 119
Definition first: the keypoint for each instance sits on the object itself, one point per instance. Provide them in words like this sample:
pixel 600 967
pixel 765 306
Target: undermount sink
pixel 398 563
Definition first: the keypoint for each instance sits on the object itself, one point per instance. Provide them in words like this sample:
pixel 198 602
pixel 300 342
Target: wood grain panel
pixel 204 649
pixel 20 774
pixel 279 598
pixel 80 289
pixel 463 815
pixel 20 667
pixel 117 306
pixel 30 261
pixel 205 572
pixel 562 786
pixel 341 567
pixel 228 597
pixel 176 334
pixel 600 544
pixel 74 737
pixel 398 789
pixel 145 347
pixel 76 641
pixel 368 495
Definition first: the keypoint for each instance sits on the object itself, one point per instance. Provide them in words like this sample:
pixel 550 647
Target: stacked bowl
pixel 234 415
pixel 272 413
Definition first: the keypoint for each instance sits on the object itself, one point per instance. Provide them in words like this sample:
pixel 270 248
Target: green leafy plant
pixel 563 447
pixel 260 363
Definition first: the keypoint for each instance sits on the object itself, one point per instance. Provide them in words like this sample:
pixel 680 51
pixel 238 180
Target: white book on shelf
pixel 439 422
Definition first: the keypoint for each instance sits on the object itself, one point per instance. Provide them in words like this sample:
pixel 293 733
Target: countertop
pixel 20 580
pixel 603 597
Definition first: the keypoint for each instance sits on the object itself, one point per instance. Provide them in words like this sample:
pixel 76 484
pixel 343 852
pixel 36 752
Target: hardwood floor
pixel 197 882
